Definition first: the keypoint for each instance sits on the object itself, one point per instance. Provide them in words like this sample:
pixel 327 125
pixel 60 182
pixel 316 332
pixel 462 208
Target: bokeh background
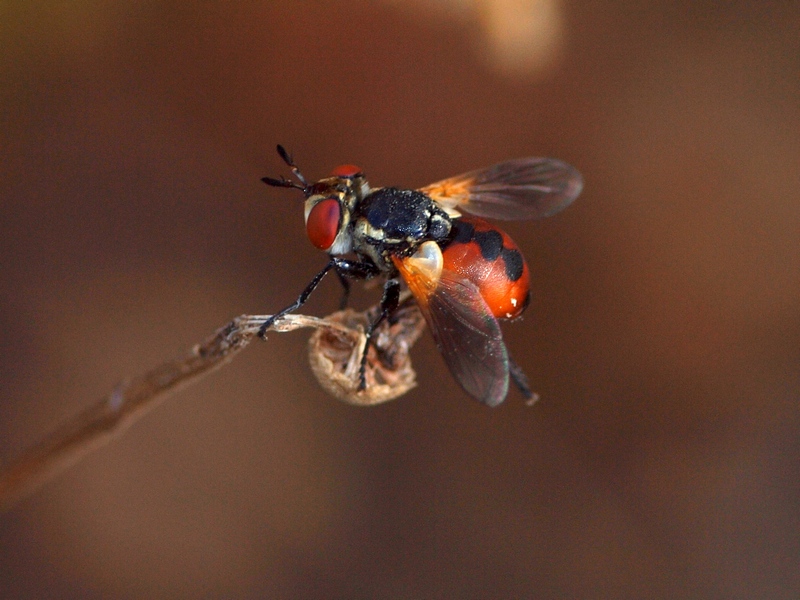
pixel 663 459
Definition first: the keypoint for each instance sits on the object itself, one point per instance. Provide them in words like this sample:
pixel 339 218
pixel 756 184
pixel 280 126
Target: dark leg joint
pixel 354 269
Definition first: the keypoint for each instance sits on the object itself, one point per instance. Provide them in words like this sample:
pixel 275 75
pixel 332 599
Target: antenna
pixel 283 182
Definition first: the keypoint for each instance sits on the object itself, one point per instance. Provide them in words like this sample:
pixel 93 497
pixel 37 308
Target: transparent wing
pixel 524 188
pixel 466 333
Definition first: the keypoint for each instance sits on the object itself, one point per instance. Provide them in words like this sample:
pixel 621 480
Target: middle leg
pixel 389 302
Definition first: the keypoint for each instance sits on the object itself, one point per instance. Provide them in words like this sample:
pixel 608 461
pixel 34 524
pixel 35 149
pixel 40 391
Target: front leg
pixel 389 302
pixel 344 268
pixel 301 299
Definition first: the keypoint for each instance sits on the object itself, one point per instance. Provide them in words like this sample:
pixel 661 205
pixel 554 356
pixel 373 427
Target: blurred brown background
pixel 663 460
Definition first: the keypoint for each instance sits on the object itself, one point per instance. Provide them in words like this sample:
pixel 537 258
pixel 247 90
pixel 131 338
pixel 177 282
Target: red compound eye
pixel 346 171
pixel 322 224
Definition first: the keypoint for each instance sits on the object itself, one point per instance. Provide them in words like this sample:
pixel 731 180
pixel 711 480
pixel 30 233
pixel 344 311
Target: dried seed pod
pixel 335 355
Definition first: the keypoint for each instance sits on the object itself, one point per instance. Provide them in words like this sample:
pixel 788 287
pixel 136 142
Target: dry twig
pixel 334 351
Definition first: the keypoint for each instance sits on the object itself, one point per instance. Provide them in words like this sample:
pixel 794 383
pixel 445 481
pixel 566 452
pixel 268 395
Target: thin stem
pixel 130 400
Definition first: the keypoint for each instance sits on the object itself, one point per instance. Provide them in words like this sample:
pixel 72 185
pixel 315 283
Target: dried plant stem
pixel 130 400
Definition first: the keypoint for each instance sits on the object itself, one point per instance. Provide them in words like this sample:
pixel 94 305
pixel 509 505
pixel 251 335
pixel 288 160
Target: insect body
pixel 463 272
pixel 489 258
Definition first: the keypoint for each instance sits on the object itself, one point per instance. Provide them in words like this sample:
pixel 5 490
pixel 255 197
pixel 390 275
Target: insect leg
pixel 389 302
pixel 346 285
pixel 520 379
pixel 350 269
pixel 301 299
pixel 354 269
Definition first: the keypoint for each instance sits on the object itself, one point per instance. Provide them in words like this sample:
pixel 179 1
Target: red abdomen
pixel 489 258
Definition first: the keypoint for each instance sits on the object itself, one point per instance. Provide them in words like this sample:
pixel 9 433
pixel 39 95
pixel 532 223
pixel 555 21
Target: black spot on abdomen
pixel 490 243
pixel 514 263
pixel 462 231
